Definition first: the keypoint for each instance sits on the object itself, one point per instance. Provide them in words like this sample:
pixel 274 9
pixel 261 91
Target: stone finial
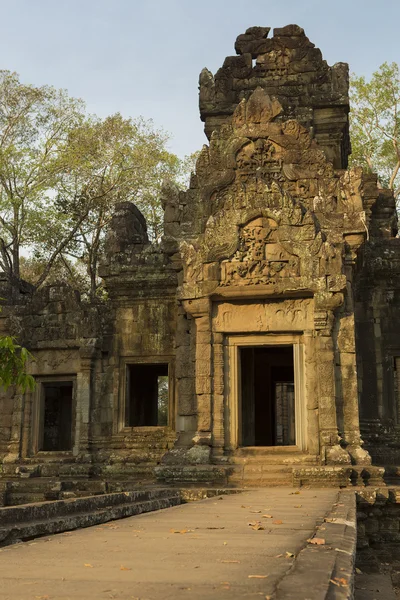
pixel 127 227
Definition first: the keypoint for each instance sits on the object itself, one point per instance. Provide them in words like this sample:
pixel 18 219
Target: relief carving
pixel 260 258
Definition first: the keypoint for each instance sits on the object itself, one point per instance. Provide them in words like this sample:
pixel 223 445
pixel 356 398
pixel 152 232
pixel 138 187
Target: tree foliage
pixel 375 124
pixel 62 172
pixel 13 359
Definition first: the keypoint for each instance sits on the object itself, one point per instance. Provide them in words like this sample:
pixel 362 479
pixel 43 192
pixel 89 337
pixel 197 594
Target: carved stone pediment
pixel 260 257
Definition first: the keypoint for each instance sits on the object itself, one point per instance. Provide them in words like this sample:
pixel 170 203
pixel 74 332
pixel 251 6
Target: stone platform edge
pixel 326 570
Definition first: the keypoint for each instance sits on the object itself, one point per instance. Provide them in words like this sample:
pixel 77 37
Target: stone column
pixel 14 448
pixel 83 395
pixel 218 425
pixel 200 309
pixel 330 448
pixel 349 390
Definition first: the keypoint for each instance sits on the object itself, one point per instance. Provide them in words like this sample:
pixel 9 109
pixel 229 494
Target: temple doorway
pixel 267 396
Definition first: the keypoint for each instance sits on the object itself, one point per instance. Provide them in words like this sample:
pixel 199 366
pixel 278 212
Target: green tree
pixel 13 359
pixel 61 173
pixel 375 124
pixel 35 124
pixel 111 160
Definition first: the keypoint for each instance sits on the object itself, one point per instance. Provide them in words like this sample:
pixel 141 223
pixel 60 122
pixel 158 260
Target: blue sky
pixel 144 57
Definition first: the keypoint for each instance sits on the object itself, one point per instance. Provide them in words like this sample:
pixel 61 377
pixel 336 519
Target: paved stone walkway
pixel 214 554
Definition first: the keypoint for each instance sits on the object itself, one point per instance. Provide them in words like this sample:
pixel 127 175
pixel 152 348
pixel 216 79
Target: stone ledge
pixel 44 518
pixel 331 564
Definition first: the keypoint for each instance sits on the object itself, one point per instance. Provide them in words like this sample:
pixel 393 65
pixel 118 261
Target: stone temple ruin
pixel 258 344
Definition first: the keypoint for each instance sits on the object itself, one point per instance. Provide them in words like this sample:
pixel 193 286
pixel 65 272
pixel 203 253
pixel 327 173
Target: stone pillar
pixel 330 448
pixel 14 448
pixel 184 371
pixel 349 390
pixel 83 394
pixel 218 424
pixel 200 309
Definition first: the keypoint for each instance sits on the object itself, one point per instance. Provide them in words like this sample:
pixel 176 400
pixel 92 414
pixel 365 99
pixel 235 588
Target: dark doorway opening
pixel 267 396
pixel 57 416
pixel 147 395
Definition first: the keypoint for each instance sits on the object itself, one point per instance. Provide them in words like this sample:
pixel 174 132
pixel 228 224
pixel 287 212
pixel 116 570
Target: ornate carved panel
pixel 260 258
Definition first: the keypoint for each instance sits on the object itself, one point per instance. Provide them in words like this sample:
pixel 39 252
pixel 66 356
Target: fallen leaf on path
pixel 122 568
pixel 257 576
pixel 293 493
pixel 255 511
pixel 298 506
pixel 230 561
pixel 277 522
pixel 256 525
pixel 316 541
pixel 180 530
pixel 88 565
pixel 267 517
pixel 225 543
pixel 289 554
pixel 243 506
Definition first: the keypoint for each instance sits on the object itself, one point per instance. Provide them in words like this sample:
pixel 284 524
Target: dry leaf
pixel 88 565
pixel 230 561
pixel 289 554
pixel 298 505
pixel 293 493
pixel 122 568
pixel 180 530
pixel 316 541
pixel 243 506
pixel 277 522
pixel 225 543
pixel 267 517
pixel 257 576
pixel 256 525
pixel 255 511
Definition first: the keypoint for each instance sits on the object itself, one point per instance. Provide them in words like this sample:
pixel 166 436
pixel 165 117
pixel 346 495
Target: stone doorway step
pixel 255 466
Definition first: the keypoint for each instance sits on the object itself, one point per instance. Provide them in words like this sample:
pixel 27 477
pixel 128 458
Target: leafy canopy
pixel 13 359
pixel 375 124
pixel 61 173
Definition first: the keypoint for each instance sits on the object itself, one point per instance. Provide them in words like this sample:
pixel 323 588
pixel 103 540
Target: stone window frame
pixel 147 360
pixel 233 343
pixel 38 408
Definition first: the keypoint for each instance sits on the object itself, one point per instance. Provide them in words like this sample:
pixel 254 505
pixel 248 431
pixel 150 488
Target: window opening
pixel 147 395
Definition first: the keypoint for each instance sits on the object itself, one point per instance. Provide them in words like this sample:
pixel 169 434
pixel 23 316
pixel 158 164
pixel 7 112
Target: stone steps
pixel 260 475
pixel 44 518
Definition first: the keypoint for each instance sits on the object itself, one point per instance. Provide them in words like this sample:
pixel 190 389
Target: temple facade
pixel 258 343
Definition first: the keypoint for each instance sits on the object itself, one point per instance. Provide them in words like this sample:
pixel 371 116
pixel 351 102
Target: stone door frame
pixel 38 413
pixel 232 384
